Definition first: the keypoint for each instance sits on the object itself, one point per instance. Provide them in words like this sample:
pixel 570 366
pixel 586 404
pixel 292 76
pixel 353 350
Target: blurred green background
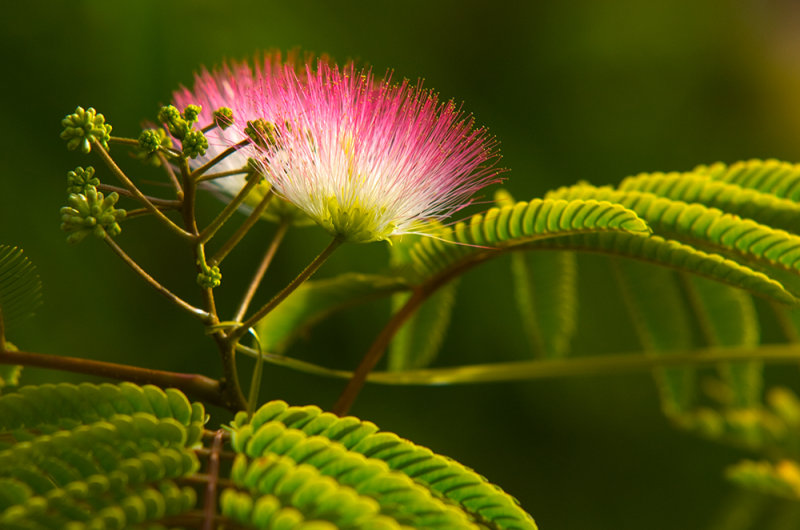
pixel 573 90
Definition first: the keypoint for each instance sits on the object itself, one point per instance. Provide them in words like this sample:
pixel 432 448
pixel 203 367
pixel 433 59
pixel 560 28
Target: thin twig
pixel 196 385
pixel 584 366
pixel 262 269
pixel 210 499
pixel 123 141
pixel 136 192
pixel 138 212
pixel 225 455
pixel 214 161
pixel 237 236
pixel 229 173
pixel 209 231
pixel 375 352
pixel 173 178
pixel 162 203
pixel 304 275
pixel 172 297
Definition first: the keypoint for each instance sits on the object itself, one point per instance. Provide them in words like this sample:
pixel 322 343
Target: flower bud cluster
pixel 83 127
pixel 91 213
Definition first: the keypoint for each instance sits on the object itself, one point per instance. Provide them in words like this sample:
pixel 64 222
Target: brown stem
pixel 211 163
pixel 163 203
pixel 136 192
pixel 210 499
pixel 123 141
pixel 229 173
pixel 172 177
pixel 196 385
pixel 209 231
pixel 304 275
pixel 231 389
pixel 169 295
pixel 138 212
pixel 375 352
pixel 262 269
pixel 237 236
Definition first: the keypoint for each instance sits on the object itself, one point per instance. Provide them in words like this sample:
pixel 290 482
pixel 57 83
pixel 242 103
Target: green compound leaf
pixel 96 456
pixel 301 462
pixel 652 298
pixel 20 286
pixel 513 227
pixel 707 228
pixel 315 300
pixel 777 178
pixel 727 317
pixel 762 207
pixel 49 408
pixel 418 341
pixel 545 289
pixel 781 479
pixel 728 235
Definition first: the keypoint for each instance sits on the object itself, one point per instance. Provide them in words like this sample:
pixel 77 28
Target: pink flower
pixel 365 158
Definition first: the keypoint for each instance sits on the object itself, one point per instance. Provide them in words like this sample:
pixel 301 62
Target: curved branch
pixel 199 386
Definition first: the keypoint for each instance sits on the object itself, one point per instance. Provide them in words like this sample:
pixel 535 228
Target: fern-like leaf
pixel 96 456
pixel 659 317
pixel 707 228
pixel 384 475
pixel 762 207
pixel 20 287
pixel 780 179
pixel 511 227
pixel 545 289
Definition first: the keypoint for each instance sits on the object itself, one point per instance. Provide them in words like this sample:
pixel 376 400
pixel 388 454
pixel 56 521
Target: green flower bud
pixel 261 132
pixel 149 142
pixel 171 117
pixel 209 278
pixel 195 143
pixel 191 113
pixel 223 117
pixel 91 213
pixel 83 127
pixel 80 179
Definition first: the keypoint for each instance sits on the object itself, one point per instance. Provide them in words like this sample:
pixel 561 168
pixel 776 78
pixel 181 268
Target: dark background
pixel 573 90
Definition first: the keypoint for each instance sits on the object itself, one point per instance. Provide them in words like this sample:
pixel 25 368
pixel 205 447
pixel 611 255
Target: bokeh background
pixel 573 90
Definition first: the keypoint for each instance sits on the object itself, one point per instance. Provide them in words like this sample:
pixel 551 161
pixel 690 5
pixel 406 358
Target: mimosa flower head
pixel 366 158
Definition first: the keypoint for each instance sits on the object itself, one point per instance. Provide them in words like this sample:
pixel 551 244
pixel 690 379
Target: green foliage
pixel 83 127
pixel 91 213
pixel 20 286
pixel 775 177
pixel 545 289
pixel 290 454
pixel 517 227
pixel 96 456
pixel 662 324
pixel 118 456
